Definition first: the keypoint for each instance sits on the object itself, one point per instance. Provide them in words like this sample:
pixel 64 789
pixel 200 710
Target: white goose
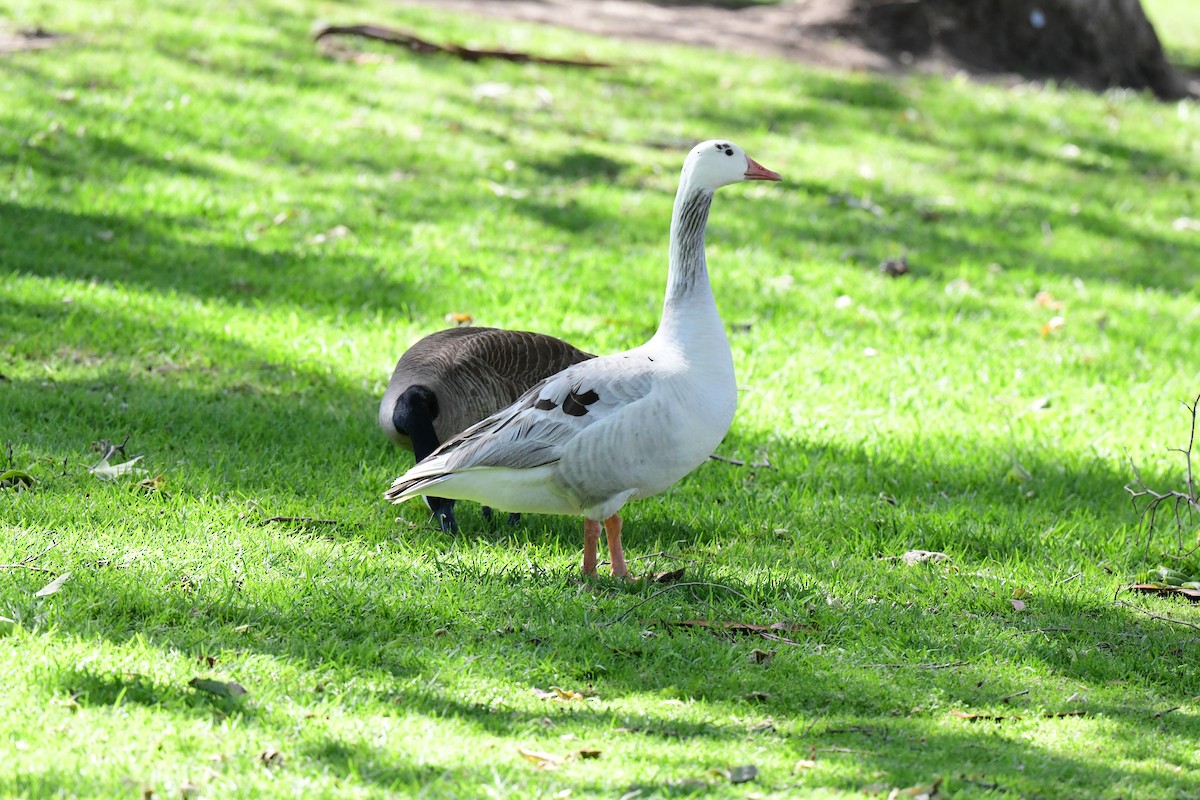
pixel 620 427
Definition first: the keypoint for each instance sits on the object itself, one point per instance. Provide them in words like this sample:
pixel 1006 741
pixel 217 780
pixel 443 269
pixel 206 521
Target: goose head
pixel 720 162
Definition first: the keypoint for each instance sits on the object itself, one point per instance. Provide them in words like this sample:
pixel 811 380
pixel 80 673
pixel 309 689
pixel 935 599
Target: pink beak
pixel 757 172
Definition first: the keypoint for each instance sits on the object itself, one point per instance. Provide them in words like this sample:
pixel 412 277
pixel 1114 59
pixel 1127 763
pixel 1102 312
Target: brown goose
pixel 452 379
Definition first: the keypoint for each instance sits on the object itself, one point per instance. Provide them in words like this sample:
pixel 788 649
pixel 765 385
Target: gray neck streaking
pixel 687 266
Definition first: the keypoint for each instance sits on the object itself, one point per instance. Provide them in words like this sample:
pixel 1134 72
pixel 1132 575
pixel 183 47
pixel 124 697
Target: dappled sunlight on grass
pixel 217 241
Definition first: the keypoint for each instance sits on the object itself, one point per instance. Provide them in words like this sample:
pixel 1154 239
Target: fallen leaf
pixel 1040 404
pixel 757 697
pixel 1018 605
pixel 928 792
pixel 588 752
pixel 921 556
pixel 1162 589
pixel 459 318
pixel 803 764
pixel 151 485
pixel 1186 224
pixel 219 688
pixel 743 774
pixel 271 757
pixel 558 693
pixel 1055 324
pixel 1046 300
pixel 490 90
pixel 542 760
pixel 895 267
pixel 110 472
pixel 53 586
pixel 761 656
pixel 667 577
pixel 843 301
pixel 15 477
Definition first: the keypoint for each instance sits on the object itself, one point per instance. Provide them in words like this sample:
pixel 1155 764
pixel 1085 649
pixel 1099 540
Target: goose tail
pixel 410 485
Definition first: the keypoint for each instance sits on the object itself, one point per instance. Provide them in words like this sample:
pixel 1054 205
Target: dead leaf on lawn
pixel 666 577
pixel 53 586
pixel 588 752
pixel 740 774
pixel 1163 589
pixel 913 557
pixel 271 757
pixel 803 764
pixel 459 318
pixel 542 760
pixel 1018 605
pixel 895 267
pixel 151 485
pixel 761 656
pixel 1046 300
pixel 219 688
pixel 563 695
pixel 110 472
pixel 333 234
pixel 927 792
pixel 1056 323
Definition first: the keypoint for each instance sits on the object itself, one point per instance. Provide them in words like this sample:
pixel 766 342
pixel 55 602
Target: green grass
pixel 164 179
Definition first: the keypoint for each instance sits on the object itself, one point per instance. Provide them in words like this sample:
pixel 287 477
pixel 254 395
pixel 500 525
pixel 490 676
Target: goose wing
pixel 537 429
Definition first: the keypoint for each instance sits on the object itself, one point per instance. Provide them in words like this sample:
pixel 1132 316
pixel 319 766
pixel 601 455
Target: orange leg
pixel 612 528
pixel 591 538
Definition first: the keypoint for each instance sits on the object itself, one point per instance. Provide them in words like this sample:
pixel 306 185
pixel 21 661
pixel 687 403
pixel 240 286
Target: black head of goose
pixel 452 379
pixel 618 427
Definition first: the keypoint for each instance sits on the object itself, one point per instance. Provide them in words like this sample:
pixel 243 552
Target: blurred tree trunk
pixel 1097 43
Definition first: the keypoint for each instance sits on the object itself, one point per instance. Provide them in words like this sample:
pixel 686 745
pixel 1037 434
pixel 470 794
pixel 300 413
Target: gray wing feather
pixel 535 430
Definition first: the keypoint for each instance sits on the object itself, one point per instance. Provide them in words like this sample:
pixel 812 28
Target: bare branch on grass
pixel 1152 615
pixel 425 47
pixel 1184 505
pixel 946 665
pixel 27 561
pixel 737 462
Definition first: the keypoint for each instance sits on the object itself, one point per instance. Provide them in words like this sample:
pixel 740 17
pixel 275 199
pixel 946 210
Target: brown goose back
pixel 473 372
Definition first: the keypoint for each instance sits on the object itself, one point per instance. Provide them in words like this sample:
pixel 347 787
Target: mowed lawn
pixel 216 239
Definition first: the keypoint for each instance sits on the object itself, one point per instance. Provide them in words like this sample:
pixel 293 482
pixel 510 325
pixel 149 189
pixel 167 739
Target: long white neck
pixel 689 311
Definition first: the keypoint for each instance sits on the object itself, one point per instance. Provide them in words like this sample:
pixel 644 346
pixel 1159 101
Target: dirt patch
pixel 805 31
pixel 33 39
pixel 1010 40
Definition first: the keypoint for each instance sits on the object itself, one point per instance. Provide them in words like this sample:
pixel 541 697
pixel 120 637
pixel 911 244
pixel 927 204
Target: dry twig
pixel 24 563
pixel 1157 616
pixel 312 520
pixel 425 47
pixel 737 462
pixel 1184 503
